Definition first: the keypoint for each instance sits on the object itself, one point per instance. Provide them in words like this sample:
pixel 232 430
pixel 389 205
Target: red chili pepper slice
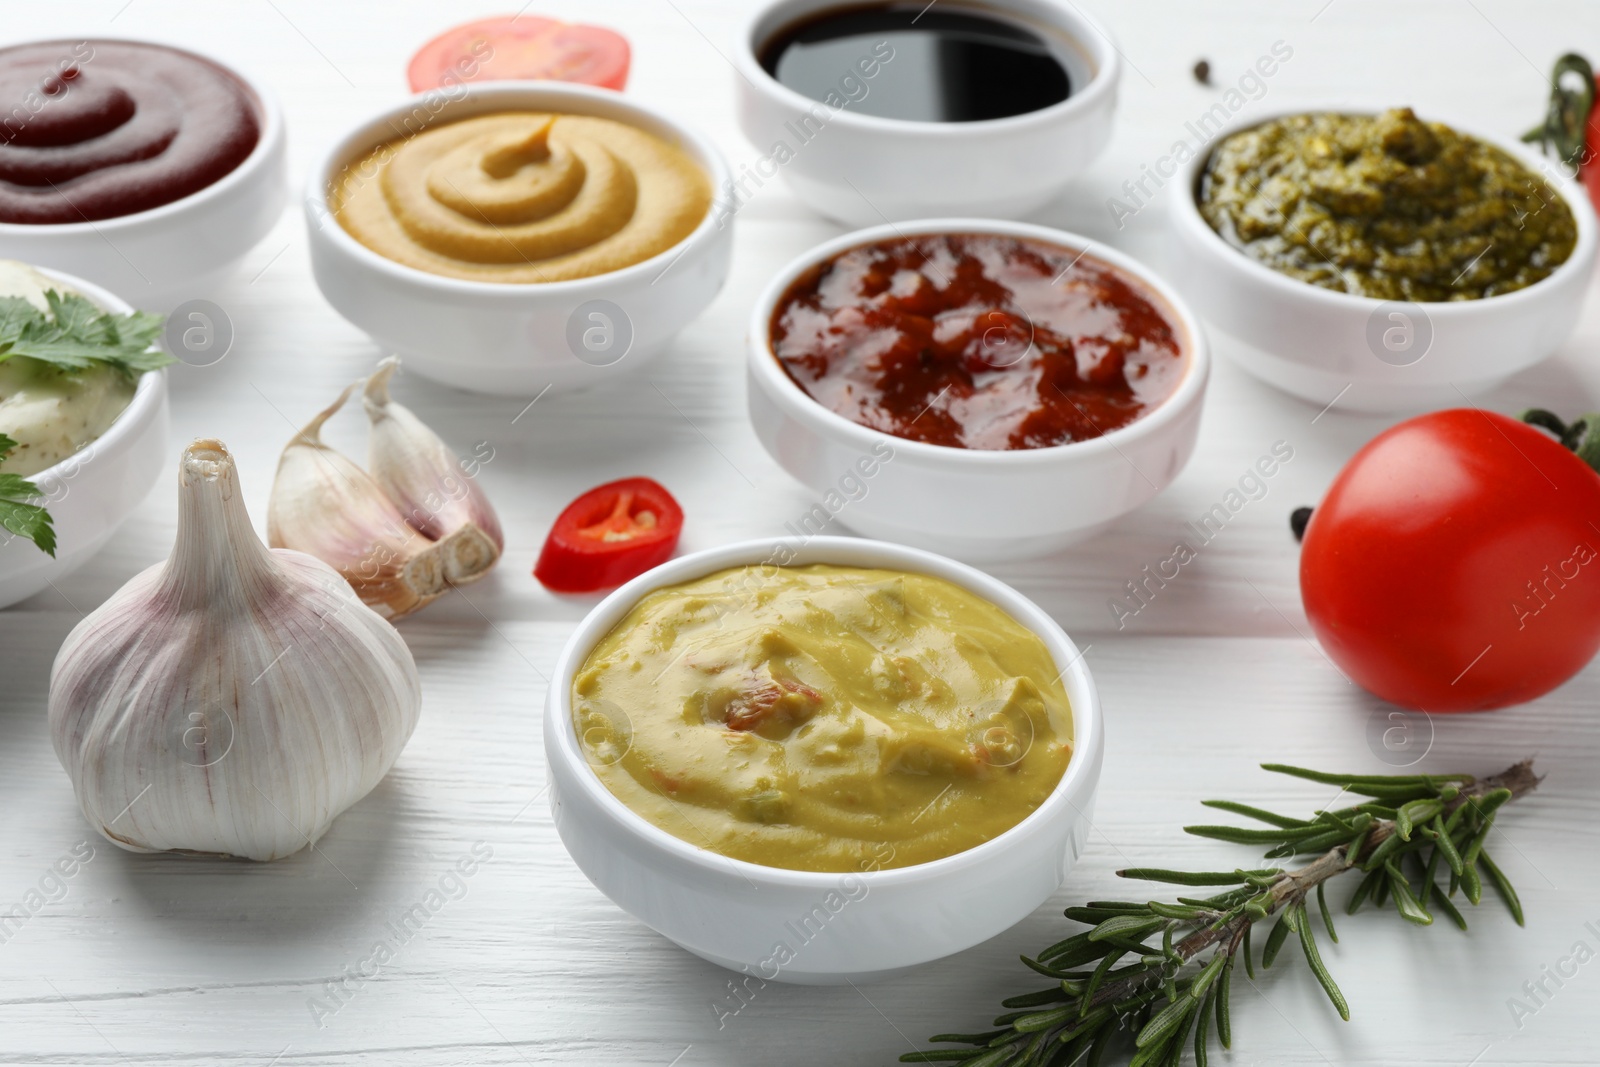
pixel 610 534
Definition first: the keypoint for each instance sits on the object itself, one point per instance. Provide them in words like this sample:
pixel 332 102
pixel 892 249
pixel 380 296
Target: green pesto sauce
pixel 1385 206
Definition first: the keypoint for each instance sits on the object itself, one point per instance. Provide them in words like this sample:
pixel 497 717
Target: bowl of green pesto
pixel 1377 259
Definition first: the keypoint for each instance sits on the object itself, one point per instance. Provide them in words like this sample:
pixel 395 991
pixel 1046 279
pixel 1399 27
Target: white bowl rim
pixel 146 395
pixel 268 144
pixel 711 159
pixel 1088 730
pixel 1197 367
pixel 1101 49
pixel 1187 215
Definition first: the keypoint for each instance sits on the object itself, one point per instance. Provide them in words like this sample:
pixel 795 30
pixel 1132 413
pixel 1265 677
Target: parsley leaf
pixel 74 334
pixel 15 313
pixel 16 514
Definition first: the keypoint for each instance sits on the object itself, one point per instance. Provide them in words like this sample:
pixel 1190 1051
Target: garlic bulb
pixel 425 480
pixel 234 699
pixel 326 505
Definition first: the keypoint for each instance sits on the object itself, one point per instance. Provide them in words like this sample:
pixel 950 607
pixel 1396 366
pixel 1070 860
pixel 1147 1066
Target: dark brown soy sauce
pixel 947 65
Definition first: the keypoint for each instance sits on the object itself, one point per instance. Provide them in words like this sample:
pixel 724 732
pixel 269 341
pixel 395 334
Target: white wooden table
pixel 143 959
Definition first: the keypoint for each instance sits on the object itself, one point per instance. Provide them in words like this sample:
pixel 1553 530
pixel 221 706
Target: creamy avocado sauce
pixel 824 718
pixel 1386 206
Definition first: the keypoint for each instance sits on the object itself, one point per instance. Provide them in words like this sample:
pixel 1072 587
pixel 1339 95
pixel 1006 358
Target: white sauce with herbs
pixel 52 413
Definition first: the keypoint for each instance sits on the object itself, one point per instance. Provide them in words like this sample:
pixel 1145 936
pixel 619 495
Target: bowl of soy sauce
pixel 885 111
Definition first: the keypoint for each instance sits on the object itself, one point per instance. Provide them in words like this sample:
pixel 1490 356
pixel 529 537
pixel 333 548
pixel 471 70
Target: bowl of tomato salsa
pixel 1012 389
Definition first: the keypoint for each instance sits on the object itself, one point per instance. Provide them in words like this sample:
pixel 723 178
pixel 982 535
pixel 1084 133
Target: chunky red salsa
pixel 977 341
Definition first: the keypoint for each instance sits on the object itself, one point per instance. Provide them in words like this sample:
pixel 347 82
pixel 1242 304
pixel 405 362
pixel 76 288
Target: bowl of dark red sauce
pixel 987 389
pixel 148 169
pixel 886 110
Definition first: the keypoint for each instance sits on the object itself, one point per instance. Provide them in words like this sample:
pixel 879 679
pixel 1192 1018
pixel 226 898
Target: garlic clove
pixel 426 481
pixel 324 504
pixel 467 554
pixel 234 699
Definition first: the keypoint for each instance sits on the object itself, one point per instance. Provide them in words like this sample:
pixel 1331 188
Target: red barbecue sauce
pixel 95 129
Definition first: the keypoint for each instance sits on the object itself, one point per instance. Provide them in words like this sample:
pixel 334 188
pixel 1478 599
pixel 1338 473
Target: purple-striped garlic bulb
pixel 234 699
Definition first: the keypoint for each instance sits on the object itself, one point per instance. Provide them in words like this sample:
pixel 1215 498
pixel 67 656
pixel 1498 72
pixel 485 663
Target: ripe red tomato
pixel 1589 168
pixel 521 46
pixel 1455 563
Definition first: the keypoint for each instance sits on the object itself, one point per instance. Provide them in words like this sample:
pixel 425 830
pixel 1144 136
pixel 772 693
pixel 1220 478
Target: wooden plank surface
pixel 149 959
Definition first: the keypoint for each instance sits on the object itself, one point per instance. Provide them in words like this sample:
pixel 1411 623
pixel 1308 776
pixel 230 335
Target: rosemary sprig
pixel 1145 977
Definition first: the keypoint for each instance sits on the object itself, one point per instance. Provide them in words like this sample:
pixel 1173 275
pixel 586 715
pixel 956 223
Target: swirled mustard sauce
pixel 521 197
pixel 99 129
pixel 1385 206
pixel 824 718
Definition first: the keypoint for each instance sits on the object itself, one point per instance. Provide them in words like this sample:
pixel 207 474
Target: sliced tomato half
pixel 610 534
pixel 512 47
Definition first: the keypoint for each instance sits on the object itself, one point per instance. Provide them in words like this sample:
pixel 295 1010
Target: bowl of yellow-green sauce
pixel 822 761
pixel 1377 259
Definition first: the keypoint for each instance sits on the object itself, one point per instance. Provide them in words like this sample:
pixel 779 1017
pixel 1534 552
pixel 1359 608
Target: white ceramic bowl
pixel 872 924
pixel 977 505
pixel 172 253
pixel 90 494
pixel 863 169
pixel 498 338
pixel 1363 354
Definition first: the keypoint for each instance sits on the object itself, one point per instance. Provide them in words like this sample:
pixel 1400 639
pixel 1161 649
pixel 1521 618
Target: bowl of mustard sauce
pixel 822 760
pixel 517 236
